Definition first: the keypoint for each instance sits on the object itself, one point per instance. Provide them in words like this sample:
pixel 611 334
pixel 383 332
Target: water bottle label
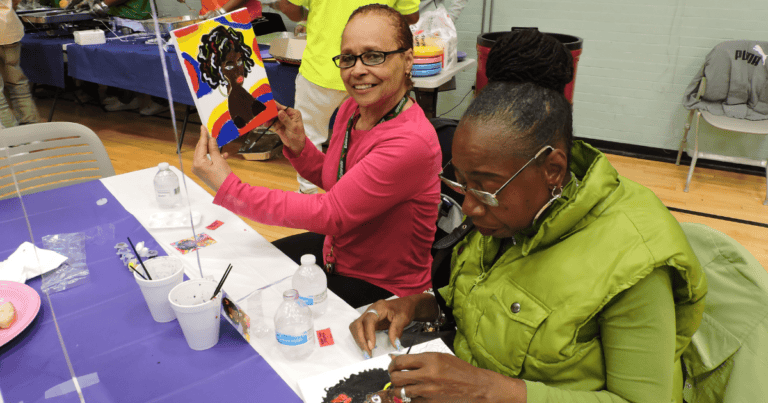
pixel 319 298
pixel 292 340
pixel 315 299
pixel 307 300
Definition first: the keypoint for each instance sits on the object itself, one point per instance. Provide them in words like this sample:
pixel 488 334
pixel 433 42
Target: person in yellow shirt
pixel 319 89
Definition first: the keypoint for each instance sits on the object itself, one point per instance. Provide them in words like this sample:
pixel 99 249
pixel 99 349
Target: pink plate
pixel 25 300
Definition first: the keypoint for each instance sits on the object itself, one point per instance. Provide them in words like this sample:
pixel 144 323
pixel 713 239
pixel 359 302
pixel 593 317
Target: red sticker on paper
pixel 215 224
pixel 325 338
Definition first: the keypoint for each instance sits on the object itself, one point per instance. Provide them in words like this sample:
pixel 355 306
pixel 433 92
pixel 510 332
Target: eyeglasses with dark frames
pixel 370 58
pixel 485 197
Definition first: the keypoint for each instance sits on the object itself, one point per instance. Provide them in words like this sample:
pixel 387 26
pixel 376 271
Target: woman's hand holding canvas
pixel 214 170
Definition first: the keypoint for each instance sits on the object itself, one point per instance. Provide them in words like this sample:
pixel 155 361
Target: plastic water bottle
pixel 312 285
pixel 294 327
pixel 167 188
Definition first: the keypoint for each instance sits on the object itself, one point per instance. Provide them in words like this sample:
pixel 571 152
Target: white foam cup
pixel 198 315
pixel 167 272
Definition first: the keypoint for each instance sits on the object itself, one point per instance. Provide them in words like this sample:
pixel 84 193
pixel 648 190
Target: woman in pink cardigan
pixel 373 228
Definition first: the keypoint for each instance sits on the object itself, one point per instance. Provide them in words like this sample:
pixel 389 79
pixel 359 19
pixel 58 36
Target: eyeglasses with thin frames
pixel 370 58
pixel 485 197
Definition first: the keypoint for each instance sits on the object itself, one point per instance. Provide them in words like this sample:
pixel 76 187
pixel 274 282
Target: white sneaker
pixel 153 109
pixel 83 96
pixel 119 106
pixel 110 100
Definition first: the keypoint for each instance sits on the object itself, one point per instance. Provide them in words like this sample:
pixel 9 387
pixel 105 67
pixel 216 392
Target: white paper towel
pixel 25 264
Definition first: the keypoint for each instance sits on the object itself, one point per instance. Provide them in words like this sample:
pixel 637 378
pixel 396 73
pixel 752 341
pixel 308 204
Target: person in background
pixel 215 8
pixel 575 284
pixel 262 23
pixel 319 88
pixel 122 99
pixel 454 9
pixel 11 76
pixel 373 228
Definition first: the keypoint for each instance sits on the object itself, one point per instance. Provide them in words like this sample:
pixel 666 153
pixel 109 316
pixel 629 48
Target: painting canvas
pixel 360 381
pixel 225 73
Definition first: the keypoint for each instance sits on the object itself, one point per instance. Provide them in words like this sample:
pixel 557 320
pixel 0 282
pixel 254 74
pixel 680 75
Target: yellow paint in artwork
pixel 217 112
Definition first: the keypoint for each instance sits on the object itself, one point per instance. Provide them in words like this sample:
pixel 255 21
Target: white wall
pixel 638 58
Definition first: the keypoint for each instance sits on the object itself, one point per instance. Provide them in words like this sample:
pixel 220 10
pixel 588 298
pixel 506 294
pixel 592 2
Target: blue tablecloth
pixel 136 66
pixel 42 58
pixel 106 326
pixel 131 65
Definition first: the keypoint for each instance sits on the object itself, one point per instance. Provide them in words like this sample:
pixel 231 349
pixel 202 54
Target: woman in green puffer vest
pixel 576 284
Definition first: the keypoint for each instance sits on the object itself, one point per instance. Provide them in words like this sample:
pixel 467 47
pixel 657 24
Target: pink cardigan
pixel 382 212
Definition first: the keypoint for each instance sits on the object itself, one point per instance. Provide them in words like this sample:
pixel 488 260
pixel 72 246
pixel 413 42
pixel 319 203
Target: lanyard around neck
pixel 353 121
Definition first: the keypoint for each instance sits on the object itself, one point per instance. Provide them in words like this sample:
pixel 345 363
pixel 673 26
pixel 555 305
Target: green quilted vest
pixel 532 313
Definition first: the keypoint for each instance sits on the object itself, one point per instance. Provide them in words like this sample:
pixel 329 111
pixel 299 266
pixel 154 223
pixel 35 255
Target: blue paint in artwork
pixel 202 87
pixel 224 21
pixel 263 98
pixel 227 133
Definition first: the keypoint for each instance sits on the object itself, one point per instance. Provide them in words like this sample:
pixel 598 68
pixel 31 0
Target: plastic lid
pixel 163 166
pixel 308 259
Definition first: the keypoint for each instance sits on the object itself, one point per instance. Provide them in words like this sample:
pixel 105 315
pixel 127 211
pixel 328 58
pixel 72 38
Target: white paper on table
pixel 135 26
pixel 23 264
pixel 313 388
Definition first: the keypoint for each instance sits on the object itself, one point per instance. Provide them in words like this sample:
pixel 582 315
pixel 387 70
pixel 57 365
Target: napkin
pixel 23 264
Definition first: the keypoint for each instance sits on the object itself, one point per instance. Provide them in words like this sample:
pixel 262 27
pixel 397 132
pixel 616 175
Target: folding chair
pixel 50 155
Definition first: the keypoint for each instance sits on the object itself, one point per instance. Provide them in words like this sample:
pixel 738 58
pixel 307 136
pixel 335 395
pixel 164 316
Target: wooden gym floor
pixel 729 202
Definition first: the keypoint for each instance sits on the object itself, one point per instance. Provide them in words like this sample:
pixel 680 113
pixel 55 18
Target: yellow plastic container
pixel 427 51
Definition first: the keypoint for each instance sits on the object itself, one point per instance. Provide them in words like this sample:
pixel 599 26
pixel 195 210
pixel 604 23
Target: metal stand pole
pixel 482 20
pixel 53 105
pixel 183 128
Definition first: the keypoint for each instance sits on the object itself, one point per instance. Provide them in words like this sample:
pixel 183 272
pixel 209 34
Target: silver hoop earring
pixel 548 204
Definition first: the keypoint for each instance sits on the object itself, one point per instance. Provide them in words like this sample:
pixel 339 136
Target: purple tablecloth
pixel 136 66
pixel 106 326
pixel 42 58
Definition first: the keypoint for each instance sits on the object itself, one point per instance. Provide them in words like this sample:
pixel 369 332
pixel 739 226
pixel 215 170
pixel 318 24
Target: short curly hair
pixel 214 47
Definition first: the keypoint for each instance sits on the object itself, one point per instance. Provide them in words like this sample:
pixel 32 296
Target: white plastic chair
pixel 723 123
pixel 46 156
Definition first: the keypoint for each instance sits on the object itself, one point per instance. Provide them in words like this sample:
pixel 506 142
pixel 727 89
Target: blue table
pixel 131 65
pixel 107 329
pixel 42 58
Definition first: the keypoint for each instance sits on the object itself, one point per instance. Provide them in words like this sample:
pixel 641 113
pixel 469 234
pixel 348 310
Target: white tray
pixel 174 219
